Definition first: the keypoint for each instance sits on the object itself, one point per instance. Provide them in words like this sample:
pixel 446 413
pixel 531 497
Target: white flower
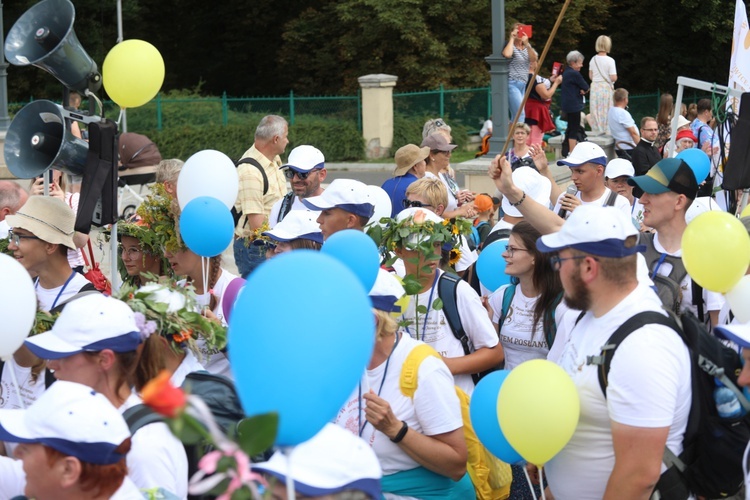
pixel 159 293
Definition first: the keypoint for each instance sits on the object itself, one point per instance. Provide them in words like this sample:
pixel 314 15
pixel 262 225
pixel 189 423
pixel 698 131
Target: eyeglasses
pixel 511 250
pixel 414 204
pixel 289 173
pixel 650 129
pixel 556 261
pixel 16 238
pixel 131 252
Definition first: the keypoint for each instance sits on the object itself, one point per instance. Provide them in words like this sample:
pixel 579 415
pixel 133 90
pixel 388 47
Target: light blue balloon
pixel 300 337
pixel 491 266
pixel 206 226
pixel 483 413
pixel 698 161
pixel 357 251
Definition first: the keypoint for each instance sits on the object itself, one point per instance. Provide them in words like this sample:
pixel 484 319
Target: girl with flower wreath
pixel 139 252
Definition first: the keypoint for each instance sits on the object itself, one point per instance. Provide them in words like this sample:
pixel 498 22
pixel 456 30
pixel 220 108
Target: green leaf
pixel 257 434
pixel 184 432
pixel 437 304
pixel 404 232
pixel 421 309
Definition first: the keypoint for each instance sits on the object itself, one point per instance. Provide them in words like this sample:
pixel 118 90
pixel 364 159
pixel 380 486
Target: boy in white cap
pixel 346 204
pixel 298 230
pixel 616 178
pixel 306 171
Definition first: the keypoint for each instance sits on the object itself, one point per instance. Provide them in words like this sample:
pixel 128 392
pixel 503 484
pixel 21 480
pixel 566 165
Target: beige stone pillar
pixel 377 113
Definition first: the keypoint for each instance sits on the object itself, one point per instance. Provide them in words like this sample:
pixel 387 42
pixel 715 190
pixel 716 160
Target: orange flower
pixel 419 217
pixel 162 397
pixel 182 336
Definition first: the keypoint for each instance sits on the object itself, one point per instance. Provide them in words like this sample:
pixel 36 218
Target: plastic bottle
pixel 727 403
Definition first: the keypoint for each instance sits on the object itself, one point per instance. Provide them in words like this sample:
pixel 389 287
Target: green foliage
pixel 257 434
pixel 408 130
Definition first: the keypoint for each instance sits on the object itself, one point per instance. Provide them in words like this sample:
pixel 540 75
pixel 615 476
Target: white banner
pixel 739 65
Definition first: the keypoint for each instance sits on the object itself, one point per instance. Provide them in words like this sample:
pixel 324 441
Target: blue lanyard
pixel 429 310
pixel 380 389
pixel 658 265
pixel 61 290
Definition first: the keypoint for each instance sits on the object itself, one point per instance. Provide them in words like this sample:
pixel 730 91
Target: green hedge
pixel 408 130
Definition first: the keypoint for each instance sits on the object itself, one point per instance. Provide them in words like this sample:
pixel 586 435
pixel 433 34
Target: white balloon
pixel 17 305
pixel 739 299
pixel 208 173
pixel 382 202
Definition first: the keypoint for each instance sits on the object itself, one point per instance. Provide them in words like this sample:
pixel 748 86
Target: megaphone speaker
pixel 44 36
pixel 38 139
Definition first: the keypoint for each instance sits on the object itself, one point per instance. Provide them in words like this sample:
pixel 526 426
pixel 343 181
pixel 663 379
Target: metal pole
pixel 498 80
pixel 124 120
pixel 4 118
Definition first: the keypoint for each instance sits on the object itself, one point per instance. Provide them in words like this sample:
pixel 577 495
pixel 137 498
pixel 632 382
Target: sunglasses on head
pixel 414 204
pixel 289 173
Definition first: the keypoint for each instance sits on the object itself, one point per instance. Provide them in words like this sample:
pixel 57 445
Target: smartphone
pixel 556 68
pixel 525 29
pixel 50 175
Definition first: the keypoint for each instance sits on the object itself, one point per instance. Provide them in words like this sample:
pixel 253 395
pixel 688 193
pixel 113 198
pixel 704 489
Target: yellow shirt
pixel 250 198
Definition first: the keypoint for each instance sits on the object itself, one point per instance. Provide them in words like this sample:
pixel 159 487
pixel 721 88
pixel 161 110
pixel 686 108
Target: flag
pixel 739 64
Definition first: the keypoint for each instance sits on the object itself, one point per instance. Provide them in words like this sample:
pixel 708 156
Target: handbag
pixel 93 273
pixel 606 79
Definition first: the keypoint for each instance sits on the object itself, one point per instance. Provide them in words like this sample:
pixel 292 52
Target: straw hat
pixel 408 156
pixel 47 218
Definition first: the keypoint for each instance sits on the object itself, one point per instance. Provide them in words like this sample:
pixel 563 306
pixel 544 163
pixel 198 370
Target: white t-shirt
pixel 156 458
pixel 75 258
pixel 648 386
pixel 189 364
pixel 468 256
pixel 433 327
pixel 214 360
pixel 12 478
pixel 636 213
pixel 127 491
pixel 619 120
pixel 521 341
pixel 606 67
pixel 434 410
pixel 621 202
pixel 49 298
pixel 296 205
pixel 452 188
pixel 712 301
pixel 30 391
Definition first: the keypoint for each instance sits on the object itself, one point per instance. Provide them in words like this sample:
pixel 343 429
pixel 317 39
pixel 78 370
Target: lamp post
pixel 498 80
pixel 4 118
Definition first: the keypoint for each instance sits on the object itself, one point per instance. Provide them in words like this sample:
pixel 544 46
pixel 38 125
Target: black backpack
pixel 711 462
pixel 236 214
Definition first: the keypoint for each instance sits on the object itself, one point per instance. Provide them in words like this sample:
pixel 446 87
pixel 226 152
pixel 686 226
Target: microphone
pixel 572 190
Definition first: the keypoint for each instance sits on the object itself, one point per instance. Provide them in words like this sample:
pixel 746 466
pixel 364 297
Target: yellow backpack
pixel 490 476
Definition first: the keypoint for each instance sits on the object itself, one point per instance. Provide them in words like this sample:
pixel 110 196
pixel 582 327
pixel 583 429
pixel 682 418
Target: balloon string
pixel 541 480
pixel 528 480
pixel 15 381
pixel 119 118
pixel 204 277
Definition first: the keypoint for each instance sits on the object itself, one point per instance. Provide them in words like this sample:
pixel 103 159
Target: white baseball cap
pixel 386 292
pixel 737 333
pixel 535 185
pixel 72 419
pixel 584 152
pixel 346 194
pixel 305 158
pixel 593 229
pixel 90 323
pixel 334 460
pixel 297 225
pixel 619 167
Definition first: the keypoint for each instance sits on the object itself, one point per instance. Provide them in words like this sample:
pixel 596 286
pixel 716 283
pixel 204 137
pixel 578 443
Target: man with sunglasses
pixel 305 170
pixel 618 445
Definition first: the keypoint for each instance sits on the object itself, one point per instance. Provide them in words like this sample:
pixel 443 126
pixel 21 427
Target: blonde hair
pixel 523 127
pixel 386 325
pixel 169 170
pixel 431 189
pixel 603 43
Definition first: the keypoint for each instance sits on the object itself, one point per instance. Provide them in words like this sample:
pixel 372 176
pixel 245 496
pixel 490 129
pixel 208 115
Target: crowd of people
pixel 580 262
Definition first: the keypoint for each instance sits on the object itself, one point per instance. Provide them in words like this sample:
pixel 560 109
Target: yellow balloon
pixel 133 73
pixel 716 250
pixel 746 210
pixel 538 410
pixel 403 301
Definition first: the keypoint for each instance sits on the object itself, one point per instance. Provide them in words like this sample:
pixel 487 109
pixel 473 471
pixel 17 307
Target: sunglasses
pixel 289 173
pixel 413 204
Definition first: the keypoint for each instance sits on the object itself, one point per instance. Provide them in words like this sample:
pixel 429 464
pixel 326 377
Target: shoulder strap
pixel 698 299
pixel 448 293
pixel 410 370
pixel 611 199
pixel 254 162
pixel 548 321
pixel 139 416
pixel 286 205
pixel 49 377
pixel 508 294
pixel 604 360
pixel 606 78
pixel 652 256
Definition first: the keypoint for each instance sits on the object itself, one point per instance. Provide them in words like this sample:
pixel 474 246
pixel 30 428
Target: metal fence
pixel 467 107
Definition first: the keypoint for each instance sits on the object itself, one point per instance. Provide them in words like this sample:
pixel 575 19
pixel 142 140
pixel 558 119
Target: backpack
pixel 490 476
pixel 550 331
pixel 286 206
pixel 236 214
pixel 476 238
pixel 711 462
pixel 667 286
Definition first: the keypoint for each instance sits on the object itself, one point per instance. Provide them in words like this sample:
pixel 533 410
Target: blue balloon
pixel 491 266
pixel 698 161
pixel 483 413
pixel 206 226
pixel 300 337
pixel 357 251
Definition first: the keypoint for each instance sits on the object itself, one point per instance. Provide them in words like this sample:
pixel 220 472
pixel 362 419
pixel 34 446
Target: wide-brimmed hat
pixel 47 218
pixel 408 156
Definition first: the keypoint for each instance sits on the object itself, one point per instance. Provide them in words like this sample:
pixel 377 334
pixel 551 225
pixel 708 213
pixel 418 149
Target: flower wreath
pixel 160 213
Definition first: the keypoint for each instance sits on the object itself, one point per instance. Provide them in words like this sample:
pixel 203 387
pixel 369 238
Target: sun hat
pixel 386 292
pixel 88 324
pixel 49 219
pixel 593 229
pixel 305 158
pixel 483 202
pixel 346 194
pixel 670 174
pixel 408 156
pixel 438 142
pixel 584 152
pixel 334 460
pixel 297 225
pixel 619 167
pixel 682 121
pixel 72 419
pixel 535 185
pixel 686 134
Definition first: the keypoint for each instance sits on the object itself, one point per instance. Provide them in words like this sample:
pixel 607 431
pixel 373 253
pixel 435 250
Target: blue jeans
pixel 247 258
pixel 515 97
